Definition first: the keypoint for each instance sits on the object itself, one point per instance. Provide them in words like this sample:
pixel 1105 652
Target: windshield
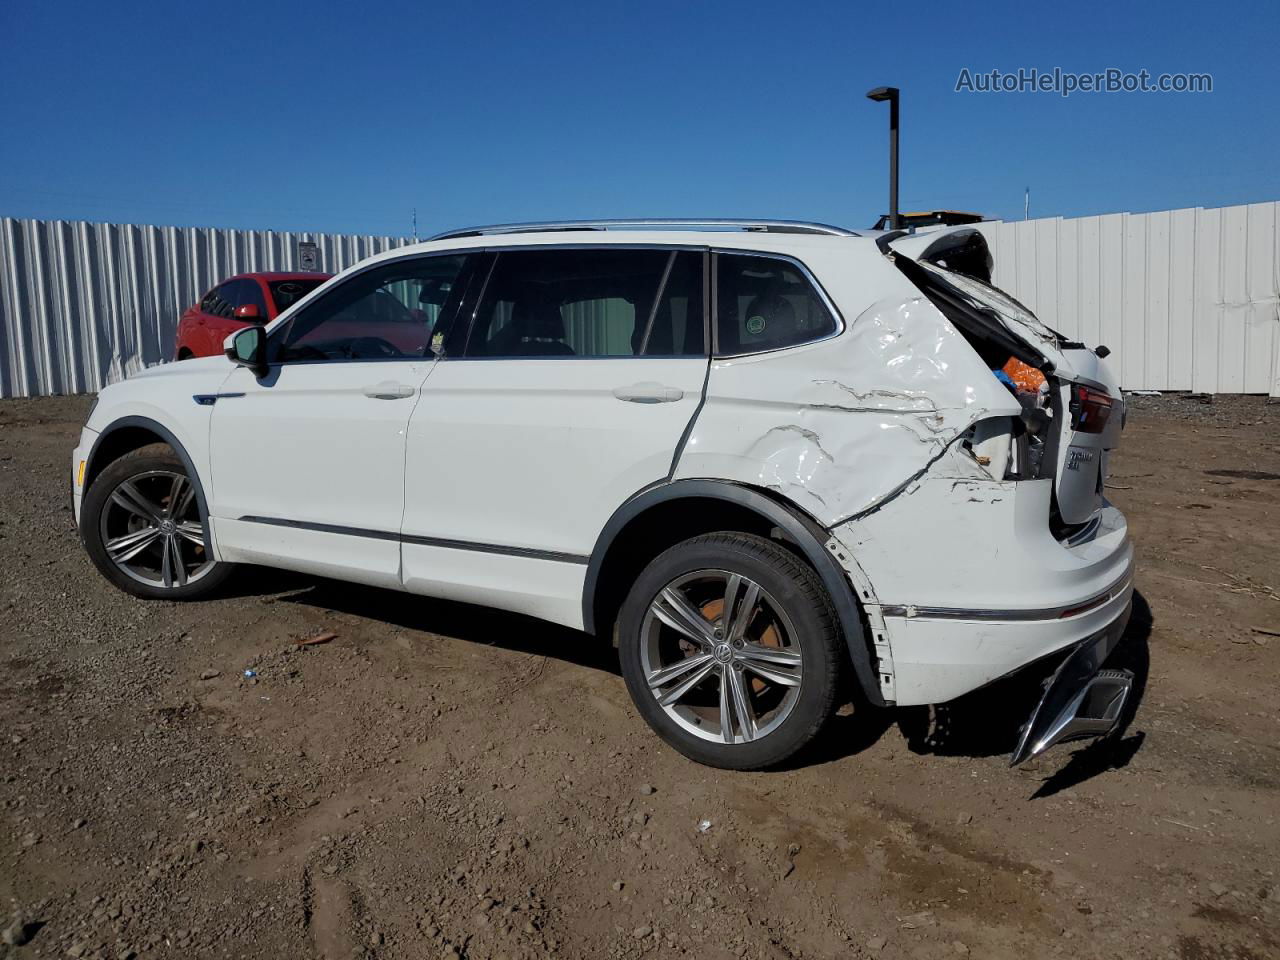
pixel 286 293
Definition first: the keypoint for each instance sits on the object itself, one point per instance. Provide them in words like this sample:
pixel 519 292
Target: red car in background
pixel 236 303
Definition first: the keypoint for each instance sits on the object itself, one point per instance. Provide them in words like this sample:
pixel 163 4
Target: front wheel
pixel 730 650
pixel 142 526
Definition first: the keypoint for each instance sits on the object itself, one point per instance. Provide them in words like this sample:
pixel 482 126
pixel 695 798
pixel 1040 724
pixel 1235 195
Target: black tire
pixel 791 586
pixel 145 463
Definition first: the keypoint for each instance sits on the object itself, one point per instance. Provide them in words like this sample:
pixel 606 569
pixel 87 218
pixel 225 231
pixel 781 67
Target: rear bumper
pixel 939 659
pixel 1078 701
pixel 970 585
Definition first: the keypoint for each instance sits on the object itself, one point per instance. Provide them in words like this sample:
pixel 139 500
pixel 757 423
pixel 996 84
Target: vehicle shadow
pixel 462 621
pixel 987 722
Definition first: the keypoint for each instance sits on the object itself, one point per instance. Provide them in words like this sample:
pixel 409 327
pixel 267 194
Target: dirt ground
pixel 442 781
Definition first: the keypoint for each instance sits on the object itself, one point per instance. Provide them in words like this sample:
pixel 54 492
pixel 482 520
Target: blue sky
pixel 345 116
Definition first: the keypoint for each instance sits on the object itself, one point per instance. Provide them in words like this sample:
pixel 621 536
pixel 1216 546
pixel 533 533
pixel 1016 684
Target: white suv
pixel 762 457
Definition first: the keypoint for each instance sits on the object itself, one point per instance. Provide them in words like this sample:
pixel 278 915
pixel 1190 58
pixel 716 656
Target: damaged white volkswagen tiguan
pixel 779 464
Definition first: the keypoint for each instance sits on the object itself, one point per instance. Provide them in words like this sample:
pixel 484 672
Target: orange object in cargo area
pixel 1027 377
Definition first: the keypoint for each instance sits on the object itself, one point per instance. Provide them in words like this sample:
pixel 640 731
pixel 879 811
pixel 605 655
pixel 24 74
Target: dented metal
pixel 844 429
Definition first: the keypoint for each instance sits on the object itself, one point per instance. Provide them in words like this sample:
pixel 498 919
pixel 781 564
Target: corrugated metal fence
pixel 82 304
pixel 1186 299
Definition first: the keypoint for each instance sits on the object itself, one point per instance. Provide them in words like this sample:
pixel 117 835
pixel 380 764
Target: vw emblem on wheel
pixel 723 653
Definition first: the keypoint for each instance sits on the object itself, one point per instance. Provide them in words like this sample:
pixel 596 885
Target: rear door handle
pixel 389 390
pixel 648 392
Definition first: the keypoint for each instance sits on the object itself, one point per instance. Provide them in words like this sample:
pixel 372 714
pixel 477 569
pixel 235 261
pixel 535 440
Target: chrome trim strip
pixel 495 548
pixel 914 612
pixel 759 226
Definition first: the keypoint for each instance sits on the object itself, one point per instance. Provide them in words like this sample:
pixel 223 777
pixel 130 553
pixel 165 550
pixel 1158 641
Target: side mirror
pixel 250 312
pixel 248 348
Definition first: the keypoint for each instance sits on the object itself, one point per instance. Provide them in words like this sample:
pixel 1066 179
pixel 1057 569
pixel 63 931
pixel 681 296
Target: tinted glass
pixel 764 303
pixel 677 328
pixel 251 292
pixel 288 292
pixel 585 303
pixel 221 300
pixel 387 313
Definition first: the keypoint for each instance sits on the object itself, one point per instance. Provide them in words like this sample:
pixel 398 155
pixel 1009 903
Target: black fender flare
pixel 804 531
pixel 165 434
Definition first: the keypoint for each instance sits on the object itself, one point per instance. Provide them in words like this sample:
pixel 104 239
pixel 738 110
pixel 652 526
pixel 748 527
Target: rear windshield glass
pixel 288 292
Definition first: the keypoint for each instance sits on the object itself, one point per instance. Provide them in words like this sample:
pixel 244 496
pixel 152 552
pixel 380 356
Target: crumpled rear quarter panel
pixel 842 425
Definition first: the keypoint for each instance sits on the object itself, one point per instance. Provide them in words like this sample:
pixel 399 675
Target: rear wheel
pixel 730 650
pixel 142 526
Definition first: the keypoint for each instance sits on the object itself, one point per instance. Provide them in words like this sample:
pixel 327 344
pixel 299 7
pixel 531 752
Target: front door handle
pixel 389 390
pixel 648 392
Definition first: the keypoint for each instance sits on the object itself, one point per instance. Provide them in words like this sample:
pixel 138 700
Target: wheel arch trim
pixel 805 532
pixel 167 436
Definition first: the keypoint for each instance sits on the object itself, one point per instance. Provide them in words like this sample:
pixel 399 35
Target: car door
pixel 569 391
pixel 215 316
pixel 308 463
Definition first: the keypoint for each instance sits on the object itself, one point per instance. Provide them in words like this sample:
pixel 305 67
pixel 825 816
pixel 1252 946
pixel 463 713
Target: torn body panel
pixel 952 632
pixel 840 427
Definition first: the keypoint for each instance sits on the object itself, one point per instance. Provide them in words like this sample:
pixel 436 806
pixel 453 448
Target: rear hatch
pixel 1071 425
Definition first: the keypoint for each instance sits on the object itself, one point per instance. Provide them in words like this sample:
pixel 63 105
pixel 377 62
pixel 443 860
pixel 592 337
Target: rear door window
pixel 766 303
pixel 601 302
pixel 221 300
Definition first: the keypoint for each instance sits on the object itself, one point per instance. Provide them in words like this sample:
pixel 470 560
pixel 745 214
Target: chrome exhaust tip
pixel 1093 710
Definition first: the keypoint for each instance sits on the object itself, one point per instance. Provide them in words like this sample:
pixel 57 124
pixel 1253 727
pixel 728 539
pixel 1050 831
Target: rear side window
pixel 221 300
pixel 603 302
pixel 766 303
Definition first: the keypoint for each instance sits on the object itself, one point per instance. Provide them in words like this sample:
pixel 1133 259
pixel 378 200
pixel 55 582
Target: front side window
pixel 388 312
pixel 602 302
pixel 765 303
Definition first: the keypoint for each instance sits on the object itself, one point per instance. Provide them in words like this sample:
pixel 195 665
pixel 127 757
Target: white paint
pixel 861 431
pixel 310 444
pixel 840 426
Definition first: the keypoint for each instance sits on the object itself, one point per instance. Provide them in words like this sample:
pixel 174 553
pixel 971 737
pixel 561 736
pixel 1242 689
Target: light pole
pixel 880 94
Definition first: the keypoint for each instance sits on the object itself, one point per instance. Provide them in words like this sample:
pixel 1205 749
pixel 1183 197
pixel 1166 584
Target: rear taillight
pixel 1089 409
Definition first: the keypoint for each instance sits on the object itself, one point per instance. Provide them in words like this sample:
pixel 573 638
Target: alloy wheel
pixel 151 529
pixel 721 657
